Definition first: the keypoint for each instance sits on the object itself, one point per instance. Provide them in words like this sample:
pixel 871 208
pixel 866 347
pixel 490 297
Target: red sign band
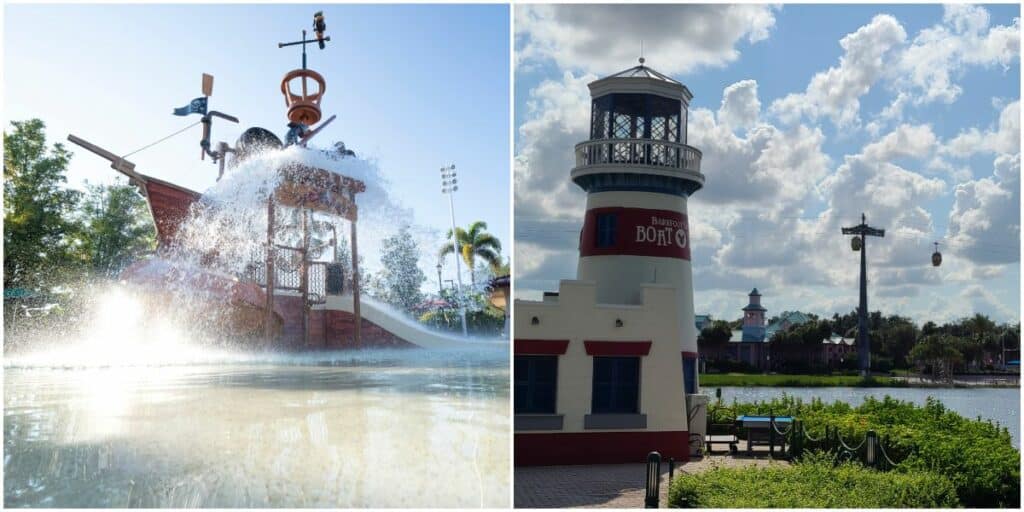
pixel 635 232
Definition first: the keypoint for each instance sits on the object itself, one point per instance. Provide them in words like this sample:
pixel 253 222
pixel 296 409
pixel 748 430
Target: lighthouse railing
pixel 648 152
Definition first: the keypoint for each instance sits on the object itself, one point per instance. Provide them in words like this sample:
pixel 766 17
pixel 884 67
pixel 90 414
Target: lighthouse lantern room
pixel 606 368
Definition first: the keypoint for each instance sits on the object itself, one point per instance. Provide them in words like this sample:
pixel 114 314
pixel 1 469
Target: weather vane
pixel 319 26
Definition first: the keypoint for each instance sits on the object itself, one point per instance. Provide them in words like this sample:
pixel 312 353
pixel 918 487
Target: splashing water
pixel 143 405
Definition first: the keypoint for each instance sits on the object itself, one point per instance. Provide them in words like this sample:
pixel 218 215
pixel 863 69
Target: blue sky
pixel 413 86
pixel 806 115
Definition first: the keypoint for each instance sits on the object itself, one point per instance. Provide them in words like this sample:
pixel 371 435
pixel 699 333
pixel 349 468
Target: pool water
pixel 399 428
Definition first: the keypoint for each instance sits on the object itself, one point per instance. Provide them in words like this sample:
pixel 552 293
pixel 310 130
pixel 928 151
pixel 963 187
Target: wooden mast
pixel 355 276
pixel 304 277
pixel 268 329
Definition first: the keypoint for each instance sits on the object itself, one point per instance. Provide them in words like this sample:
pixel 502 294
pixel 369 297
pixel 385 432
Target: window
pixel 536 378
pixel 606 229
pixel 690 375
pixel 616 385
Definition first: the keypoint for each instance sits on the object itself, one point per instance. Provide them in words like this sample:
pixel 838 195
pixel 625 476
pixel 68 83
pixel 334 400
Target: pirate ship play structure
pixel 310 306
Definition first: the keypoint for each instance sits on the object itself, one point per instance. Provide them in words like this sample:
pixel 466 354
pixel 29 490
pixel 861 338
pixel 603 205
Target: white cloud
pixel 906 141
pixel 603 39
pixel 1005 138
pixel 558 119
pixel 926 70
pixel 768 166
pixel 740 105
pixel 984 224
pixel 835 93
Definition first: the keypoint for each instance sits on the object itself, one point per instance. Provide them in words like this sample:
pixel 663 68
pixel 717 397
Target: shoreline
pixel 710 380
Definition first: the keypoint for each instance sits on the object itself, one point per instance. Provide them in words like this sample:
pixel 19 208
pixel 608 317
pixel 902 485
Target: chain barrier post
pixel 653 479
pixel 870 447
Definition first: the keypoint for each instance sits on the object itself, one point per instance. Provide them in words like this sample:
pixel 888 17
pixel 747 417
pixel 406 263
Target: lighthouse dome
pixel 638 133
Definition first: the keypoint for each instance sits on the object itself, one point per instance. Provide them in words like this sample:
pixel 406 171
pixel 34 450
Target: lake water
pixel 997 404
pixel 402 428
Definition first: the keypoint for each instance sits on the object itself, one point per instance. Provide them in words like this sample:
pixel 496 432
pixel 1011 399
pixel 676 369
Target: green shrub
pixel 978 457
pixel 815 482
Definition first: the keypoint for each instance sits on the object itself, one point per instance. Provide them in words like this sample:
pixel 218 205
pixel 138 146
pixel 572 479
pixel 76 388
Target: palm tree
pixel 474 242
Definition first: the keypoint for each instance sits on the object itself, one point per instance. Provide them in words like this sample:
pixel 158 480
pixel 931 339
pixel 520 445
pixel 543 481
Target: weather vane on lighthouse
pixel 304 107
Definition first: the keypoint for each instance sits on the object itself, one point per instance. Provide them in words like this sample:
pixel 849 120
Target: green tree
pixel 940 352
pixel 474 242
pixel 40 232
pixel 401 277
pixel 714 336
pixel 117 228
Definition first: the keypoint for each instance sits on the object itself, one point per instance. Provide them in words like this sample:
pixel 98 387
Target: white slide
pixel 397 323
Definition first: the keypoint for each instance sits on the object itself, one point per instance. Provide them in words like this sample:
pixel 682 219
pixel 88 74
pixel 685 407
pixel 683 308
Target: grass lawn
pixel 783 380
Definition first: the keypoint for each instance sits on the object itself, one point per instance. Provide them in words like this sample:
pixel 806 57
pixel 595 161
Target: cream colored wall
pixel 576 316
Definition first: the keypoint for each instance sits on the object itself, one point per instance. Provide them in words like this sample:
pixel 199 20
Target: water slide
pixel 400 325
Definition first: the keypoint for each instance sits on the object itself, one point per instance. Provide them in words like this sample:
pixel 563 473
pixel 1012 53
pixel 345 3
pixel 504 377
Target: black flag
pixel 196 106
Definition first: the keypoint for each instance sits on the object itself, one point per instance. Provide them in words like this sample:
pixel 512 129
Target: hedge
pixel 814 482
pixel 977 456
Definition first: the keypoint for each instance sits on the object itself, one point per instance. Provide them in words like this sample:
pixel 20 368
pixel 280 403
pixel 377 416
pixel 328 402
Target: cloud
pixel 603 39
pixel 984 224
pixel 558 118
pixel 906 141
pixel 927 69
pixel 767 166
pixel 1005 138
pixel 740 106
pixel 835 93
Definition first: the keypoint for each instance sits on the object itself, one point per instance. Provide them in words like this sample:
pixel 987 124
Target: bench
pixel 721 433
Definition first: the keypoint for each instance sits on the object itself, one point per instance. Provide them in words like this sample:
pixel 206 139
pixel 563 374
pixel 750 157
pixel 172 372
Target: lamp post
pixel 440 288
pixel 449 186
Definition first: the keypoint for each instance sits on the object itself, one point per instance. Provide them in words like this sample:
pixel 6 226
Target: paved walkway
pixel 608 485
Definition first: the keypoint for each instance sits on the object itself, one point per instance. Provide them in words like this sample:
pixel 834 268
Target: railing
pixel 288 273
pixel 869 451
pixel 794 441
pixel 654 153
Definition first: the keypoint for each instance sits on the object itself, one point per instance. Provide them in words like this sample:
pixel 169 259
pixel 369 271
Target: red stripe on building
pixel 545 347
pixel 617 348
pixel 638 232
pixel 548 449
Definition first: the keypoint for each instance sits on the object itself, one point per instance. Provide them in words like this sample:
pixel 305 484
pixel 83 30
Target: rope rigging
pixel 158 141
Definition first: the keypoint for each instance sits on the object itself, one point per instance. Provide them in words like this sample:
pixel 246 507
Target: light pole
pixel 440 288
pixel 449 186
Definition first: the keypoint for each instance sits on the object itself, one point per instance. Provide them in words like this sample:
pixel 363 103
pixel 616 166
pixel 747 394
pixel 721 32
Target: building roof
pixel 754 307
pixel 755 292
pixel 642 71
pixel 20 293
pixel 737 337
pixel 792 317
pixel 835 339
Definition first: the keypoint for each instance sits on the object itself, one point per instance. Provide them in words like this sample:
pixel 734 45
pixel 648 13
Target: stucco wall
pixel 577 317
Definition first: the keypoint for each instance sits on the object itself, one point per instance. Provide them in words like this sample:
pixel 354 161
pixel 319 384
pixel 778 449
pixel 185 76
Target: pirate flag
pixel 196 106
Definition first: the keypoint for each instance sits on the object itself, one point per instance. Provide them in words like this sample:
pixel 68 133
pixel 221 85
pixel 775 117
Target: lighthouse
pixel 606 368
